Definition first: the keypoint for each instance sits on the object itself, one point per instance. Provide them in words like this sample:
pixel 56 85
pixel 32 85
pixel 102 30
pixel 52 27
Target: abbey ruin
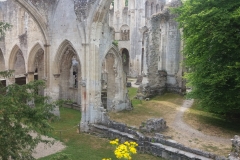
pixel 85 49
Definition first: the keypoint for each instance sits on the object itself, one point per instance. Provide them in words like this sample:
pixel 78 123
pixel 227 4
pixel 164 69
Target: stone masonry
pixel 67 44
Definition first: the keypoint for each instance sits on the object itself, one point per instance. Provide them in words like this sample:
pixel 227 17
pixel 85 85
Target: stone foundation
pixel 235 154
pixel 153 125
pixel 156 145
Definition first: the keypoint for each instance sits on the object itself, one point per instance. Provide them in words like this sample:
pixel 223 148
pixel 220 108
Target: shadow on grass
pixel 83 146
pixel 205 117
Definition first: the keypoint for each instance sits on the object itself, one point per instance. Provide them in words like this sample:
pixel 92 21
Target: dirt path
pixel 43 150
pixel 185 134
pixel 183 127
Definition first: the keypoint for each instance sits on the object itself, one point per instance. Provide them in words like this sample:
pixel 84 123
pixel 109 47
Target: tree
pixel 23 112
pixel 211 35
pixel 19 119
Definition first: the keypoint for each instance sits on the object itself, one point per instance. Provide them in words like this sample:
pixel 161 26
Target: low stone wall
pixel 153 125
pixel 73 106
pixel 235 154
pixel 156 145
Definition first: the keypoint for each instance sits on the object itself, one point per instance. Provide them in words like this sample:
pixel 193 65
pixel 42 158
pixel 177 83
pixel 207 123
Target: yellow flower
pixel 124 150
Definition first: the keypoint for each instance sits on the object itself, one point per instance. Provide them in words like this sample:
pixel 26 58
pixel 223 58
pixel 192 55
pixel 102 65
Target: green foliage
pixel 126 3
pixel 22 111
pixel 3 27
pixel 112 3
pixel 211 34
pixel 115 42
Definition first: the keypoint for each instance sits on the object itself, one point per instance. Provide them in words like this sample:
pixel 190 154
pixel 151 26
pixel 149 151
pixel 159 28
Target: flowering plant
pixel 124 150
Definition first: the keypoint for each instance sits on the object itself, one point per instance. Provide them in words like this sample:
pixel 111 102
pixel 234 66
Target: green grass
pixel 208 120
pixel 132 92
pixel 158 107
pixel 217 120
pixel 83 146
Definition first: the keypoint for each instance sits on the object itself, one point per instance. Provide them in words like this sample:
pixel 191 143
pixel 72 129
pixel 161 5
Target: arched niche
pixel 125 32
pixel 36 62
pixel 147 9
pixel 113 82
pixel 153 9
pixel 17 63
pixel 69 70
pixel 125 60
pixel 158 8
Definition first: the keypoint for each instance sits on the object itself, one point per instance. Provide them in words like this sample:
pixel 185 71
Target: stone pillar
pixel 84 102
pixel 47 64
pixel 30 77
pixel 55 93
pixel 10 80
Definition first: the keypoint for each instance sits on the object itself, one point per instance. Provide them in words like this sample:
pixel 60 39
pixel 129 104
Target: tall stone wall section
pixel 157 78
pixel 164 53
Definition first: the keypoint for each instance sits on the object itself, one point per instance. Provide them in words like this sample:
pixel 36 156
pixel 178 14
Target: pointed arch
pixel 12 56
pixel 112 80
pixel 64 46
pixel 36 16
pixel 32 56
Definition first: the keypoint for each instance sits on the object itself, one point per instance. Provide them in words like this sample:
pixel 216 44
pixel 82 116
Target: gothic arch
pixel 12 57
pixel 36 16
pixel 64 46
pixel 158 8
pixel 68 67
pixel 32 56
pixel 125 32
pixel 146 9
pixel 153 8
pixel 112 80
pixel 96 18
pixel 125 60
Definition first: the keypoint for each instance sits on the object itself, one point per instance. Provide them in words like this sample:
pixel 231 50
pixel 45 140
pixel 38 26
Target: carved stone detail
pixel 82 8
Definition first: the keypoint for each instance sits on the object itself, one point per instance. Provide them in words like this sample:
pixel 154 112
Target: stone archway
pixel 36 65
pixel 125 60
pixel 17 63
pixel 108 81
pixel 113 82
pixel 68 73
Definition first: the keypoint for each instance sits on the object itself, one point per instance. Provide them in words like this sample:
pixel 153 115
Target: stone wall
pixel 235 154
pixel 157 145
pixel 164 53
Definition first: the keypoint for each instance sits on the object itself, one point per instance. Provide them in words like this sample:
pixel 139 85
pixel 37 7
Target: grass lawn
pixel 210 123
pixel 159 107
pixel 84 146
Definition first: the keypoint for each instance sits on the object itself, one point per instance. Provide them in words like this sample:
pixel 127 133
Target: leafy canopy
pixel 211 35
pixel 23 113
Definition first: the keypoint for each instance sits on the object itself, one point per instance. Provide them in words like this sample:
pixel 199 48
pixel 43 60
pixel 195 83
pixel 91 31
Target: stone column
pixel 30 77
pixel 47 64
pixel 55 93
pixel 10 80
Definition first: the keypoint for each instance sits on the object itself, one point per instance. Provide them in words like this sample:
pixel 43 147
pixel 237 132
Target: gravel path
pixel 183 127
pixel 43 150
